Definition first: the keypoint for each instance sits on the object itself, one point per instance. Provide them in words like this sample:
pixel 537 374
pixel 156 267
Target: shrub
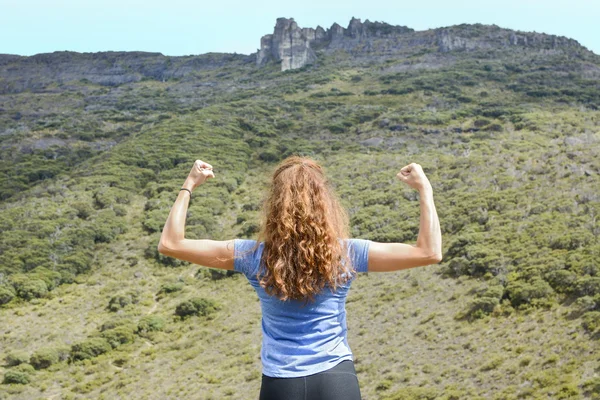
pixel 214 274
pixel 120 211
pixel 588 303
pixel 588 286
pixel 520 292
pixel 78 262
pixel 90 348
pixel 562 280
pixel 51 278
pixel 18 377
pixel 120 335
pixel 29 288
pixel 486 301
pixel 479 123
pixel 43 358
pixel 83 209
pixel 7 293
pixel 25 367
pixel 196 306
pixel 120 301
pixel 384 385
pixel 108 226
pixel 591 321
pixel 170 288
pixel 105 197
pixel 15 358
pixel 480 307
pixel 150 323
pixel 114 322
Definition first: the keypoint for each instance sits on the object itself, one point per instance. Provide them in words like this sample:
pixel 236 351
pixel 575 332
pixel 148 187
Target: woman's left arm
pixel 206 252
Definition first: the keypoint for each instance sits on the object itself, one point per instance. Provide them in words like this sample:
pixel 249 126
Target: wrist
pixel 426 190
pixel 188 185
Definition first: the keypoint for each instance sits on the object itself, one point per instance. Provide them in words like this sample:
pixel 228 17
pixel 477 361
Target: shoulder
pixel 358 245
pixel 247 254
pixel 358 251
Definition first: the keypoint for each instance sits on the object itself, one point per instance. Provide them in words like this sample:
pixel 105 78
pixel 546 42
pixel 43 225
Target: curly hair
pixel 303 228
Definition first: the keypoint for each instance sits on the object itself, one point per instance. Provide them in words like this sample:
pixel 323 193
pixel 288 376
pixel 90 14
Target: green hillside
pixel 509 138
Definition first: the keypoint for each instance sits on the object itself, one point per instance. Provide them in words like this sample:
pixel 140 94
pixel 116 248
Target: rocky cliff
pixel 295 47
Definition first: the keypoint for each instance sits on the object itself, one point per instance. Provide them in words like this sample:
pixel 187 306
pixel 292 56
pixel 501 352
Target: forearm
pixel 174 229
pixel 430 234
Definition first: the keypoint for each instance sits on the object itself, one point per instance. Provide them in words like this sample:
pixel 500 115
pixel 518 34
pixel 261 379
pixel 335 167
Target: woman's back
pixel 301 337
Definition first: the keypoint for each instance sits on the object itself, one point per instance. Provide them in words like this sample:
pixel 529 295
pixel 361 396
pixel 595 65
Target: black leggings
pixel 337 383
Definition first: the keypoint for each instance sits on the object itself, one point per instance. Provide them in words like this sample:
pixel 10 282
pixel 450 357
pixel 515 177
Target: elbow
pixel 434 258
pixel 164 248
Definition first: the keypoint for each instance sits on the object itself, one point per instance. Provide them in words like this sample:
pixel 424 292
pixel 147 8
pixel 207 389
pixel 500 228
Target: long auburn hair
pixel 303 227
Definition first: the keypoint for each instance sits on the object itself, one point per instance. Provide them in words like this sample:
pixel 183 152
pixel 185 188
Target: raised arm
pixel 428 250
pixel 206 252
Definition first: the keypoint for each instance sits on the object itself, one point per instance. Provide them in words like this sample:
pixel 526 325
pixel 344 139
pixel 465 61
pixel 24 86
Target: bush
pixel 591 321
pixel 43 358
pixel 214 274
pixel 487 299
pixel 27 368
pixel 150 323
pixel 170 288
pixel 51 278
pixel 114 322
pixel 520 292
pixel 120 335
pixel 120 301
pixel 480 307
pixel 83 209
pixel 16 358
pixel 90 348
pixel 562 280
pixel 588 303
pixel 107 196
pixel 196 306
pixel 78 262
pixel 29 288
pixel 18 377
pixel 120 211
pixel 7 293
pixel 588 286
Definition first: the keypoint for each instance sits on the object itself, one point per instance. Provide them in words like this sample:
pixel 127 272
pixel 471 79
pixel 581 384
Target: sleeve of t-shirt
pixel 243 257
pixel 360 254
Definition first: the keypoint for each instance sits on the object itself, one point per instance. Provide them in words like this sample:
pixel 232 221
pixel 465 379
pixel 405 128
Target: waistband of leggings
pixel 346 366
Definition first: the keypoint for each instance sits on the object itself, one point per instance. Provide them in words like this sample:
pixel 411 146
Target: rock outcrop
pixel 295 47
pixel 289 44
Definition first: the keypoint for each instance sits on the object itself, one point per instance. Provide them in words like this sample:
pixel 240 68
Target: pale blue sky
pixel 184 27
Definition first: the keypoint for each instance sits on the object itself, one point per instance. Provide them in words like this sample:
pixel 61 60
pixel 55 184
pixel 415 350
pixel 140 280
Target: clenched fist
pixel 413 176
pixel 200 172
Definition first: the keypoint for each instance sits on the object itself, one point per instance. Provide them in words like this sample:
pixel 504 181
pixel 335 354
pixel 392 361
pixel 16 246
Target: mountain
pixel 94 147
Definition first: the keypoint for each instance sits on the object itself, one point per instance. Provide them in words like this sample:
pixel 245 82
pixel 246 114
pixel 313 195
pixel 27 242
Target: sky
pixel 186 27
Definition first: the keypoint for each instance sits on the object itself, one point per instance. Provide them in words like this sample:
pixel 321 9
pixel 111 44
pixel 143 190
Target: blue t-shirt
pixel 299 338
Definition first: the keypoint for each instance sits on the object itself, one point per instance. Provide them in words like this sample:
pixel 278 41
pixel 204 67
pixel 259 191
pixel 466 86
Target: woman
pixel 301 266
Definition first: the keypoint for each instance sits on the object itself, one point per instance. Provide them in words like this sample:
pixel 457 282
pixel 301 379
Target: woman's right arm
pixel 428 250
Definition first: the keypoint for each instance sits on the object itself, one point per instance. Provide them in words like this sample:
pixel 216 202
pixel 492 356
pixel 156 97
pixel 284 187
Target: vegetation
pixel 510 140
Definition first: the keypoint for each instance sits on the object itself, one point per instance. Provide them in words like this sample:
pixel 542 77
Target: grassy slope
pixel 404 328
